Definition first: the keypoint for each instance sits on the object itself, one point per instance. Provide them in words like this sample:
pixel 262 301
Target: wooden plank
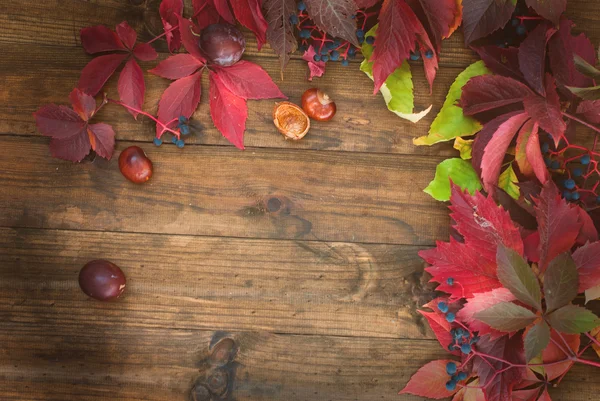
pixel 298 287
pixel 89 362
pixel 220 191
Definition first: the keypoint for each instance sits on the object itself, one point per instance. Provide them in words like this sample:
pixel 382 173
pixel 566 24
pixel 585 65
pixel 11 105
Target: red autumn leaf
pixel 558 224
pixel 546 111
pixel 335 17
pixel 495 150
pixel 532 247
pixel 98 71
pixel 521 149
pixel 501 61
pixel 482 17
pixel 144 52
pixel 97 39
pixel 480 302
pixel 228 111
pixel 222 7
pixel 181 98
pixel 430 381
pixel 526 395
pixel 205 12
pixel 127 34
pixel 529 154
pixel 440 15
pixel 249 14
pixel 499 387
pixel 488 92
pixel 552 353
pixel 280 31
pixel 549 9
pixel 532 56
pixel 170 11
pixel 315 68
pixel 366 3
pixel 71 134
pixel 177 66
pixel 438 323
pixel 190 42
pixel 588 232
pixel 249 81
pixel 545 395
pixel 131 86
pixel 590 110
pixel 587 260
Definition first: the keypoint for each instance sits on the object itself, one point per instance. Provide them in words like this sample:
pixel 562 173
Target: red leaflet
pixel 335 17
pixel 248 81
pixel 249 14
pixel 71 134
pixel 487 92
pixel 441 16
pixel 430 381
pixel 98 71
pixel 97 39
pixel 438 323
pixel 549 9
pixel 222 7
pixel 495 150
pixel 315 69
pixel 587 259
pixel 127 34
pixel 366 3
pixel 190 42
pixel 145 52
pixel 526 395
pixel 552 353
pixel 228 111
pixel 131 86
pixel 205 13
pixel 180 99
pixel 280 32
pixel 546 111
pixel 532 56
pixel 535 157
pixel 480 302
pixel 485 136
pixel 588 232
pixel 545 396
pixel 558 224
pixel 590 109
pixel 482 17
pixel 521 149
pixel 177 66
pixel 501 61
pixel 170 11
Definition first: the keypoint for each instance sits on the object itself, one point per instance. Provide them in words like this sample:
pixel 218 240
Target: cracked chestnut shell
pixel 318 105
pixel 291 120
pixel 102 280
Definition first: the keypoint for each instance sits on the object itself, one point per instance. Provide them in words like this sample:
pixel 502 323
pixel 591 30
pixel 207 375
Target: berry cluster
pixel 184 129
pixel 455 376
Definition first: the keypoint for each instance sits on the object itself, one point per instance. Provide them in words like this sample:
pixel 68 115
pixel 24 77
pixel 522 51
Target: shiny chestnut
pixel 135 165
pixel 102 280
pixel 318 105
pixel 222 44
pixel 291 120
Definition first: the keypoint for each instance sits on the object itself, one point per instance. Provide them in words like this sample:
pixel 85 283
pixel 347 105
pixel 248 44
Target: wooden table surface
pixel 305 254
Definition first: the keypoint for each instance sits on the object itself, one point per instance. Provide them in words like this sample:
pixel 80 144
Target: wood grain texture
pixel 220 191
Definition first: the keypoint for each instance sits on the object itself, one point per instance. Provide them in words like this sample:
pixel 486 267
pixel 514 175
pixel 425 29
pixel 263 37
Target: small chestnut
pixel 290 120
pixel 222 44
pixel 318 105
pixel 135 165
pixel 102 280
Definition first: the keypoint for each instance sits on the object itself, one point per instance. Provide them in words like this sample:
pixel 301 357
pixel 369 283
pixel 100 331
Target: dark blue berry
pixel 466 348
pixel 330 45
pixel 515 22
pixel 324 51
pixel 174 139
pixel 453 333
pixel 182 120
pixel 548 162
pixel 462 376
pixel 585 159
pixel 428 54
pixel 555 165
pixel 569 183
pixel 157 141
pixel 304 33
pixel 501 45
pixel 325 58
pixel 451 368
pixel 370 40
pixel 345 62
pixel 180 143
pixel 443 307
pixel 361 40
pixel 293 19
pixel 302 48
pixel 352 52
pixel 451 385
pixel 545 147
pixel 415 56
pixel 450 281
pixel 521 30
pixel 598 199
pixel 575 196
pixel 459 332
pixel 450 317
pixel 452 347
pixel 301 6
pixel 335 55
pixel 567 195
pixel 360 33
pixel 474 340
pixel 317 58
pixel 577 172
pixel 184 129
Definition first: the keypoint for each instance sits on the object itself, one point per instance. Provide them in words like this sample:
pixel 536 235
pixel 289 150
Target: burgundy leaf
pixel 587 260
pixel 535 157
pixel 315 68
pixel 501 61
pixel 83 104
pixel 366 3
pixel 98 71
pixel 485 136
pixel 228 111
pixel 495 150
pixel 170 11
pixel 97 39
pixel 249 14
pixel 546 111
pixel 132 87
pixel 549 9
pixel 430 381
pixel 532 56
pixel 558 224
pixel 177 66
pixel 441 16
pixel 145 52
pixel 430 64
pixel 480 302
pixel 552 353
pixel 335 17
pixel 222 7
pixel 181 98
pixel 59 122
pixel 205 12
pixel 488 92
pixel 482 17
pixel 280 31
pixel 249 81
pixel 72 149
pixel 590 109
pixel 102 139
pixel 588 232
pixel 190 42
pixel 127 34
pixel 438 323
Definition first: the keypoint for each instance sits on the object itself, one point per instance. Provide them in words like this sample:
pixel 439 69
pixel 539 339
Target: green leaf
pixel 461 173
pixel 536 340
pixel 397 89
pixel 561 282
pixel 508 182
pixel 516 275
pixel 573 319
pixel 592 93
pixel 451 122
pixel 586 68
pixel 464 146
pixel 506 316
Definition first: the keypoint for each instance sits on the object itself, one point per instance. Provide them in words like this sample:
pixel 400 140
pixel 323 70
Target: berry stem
pixel 572 117
pixel 150 116
pixel 592 337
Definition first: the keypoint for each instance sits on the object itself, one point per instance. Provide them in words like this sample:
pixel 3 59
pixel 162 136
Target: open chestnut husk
pixel 290 120
pixel 318 105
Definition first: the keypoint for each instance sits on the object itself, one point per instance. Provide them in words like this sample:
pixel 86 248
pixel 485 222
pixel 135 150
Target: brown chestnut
pixel 135 165
pixel 102 280
pixel 318 105
pixel 291 120
pixel 222 44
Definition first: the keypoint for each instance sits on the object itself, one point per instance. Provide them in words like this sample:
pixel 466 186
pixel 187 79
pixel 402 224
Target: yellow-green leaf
pixel 461 173
pixel 451 122
pixel 397 89
pixel 508 182
pixel 464 146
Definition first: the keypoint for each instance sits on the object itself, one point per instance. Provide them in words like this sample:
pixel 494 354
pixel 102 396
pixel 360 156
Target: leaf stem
pixel 150 116
pixel 572 117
